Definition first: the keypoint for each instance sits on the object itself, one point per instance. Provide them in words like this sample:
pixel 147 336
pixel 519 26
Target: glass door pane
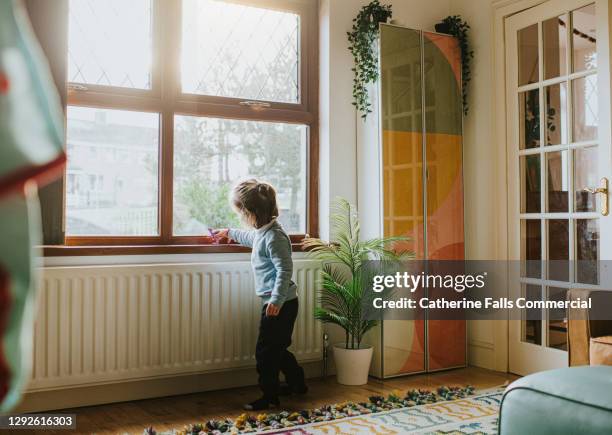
pixel 557 182
pixel 530 183
pixel 558 249
pixel 584 44
pixel 529 119
pixel 531 324
pixel 585 175
pixel 557 154
pixel 587 251
pixel 528 55
pixel 554 35
pixel 556 320
pixel 585 105
pixel 531 248
pixel 556 114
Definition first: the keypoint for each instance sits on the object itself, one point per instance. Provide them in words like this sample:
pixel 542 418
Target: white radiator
pixel 100 324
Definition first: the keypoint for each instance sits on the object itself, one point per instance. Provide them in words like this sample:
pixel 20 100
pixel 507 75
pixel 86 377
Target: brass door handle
pixel 603 190
pixel 598 190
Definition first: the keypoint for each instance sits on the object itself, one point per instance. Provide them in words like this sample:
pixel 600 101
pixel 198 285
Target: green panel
pixel 400 64
pixel 442 84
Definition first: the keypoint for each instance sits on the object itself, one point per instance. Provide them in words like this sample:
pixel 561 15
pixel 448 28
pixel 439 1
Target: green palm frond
pixel 343 297
pixel 335 272
pixel 329 317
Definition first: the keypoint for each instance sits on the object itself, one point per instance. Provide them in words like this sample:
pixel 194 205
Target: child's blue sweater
pixel 271 262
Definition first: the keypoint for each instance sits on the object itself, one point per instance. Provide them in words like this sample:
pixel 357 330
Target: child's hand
pixel 221 236
pixel 272 310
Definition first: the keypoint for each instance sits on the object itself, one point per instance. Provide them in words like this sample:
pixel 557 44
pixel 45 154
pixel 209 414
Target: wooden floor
pixel 175 412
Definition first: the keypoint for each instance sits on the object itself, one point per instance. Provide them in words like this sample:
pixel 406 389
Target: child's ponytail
pixel 255 201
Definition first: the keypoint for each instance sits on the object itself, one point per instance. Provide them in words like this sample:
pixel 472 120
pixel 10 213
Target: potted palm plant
pixel 344 294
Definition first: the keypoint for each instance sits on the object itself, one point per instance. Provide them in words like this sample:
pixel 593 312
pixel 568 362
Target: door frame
pixel 501 10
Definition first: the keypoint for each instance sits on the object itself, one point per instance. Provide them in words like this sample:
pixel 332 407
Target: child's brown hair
pixel 255 201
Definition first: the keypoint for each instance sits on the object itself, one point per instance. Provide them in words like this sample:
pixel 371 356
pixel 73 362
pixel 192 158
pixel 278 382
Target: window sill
pixel 97 250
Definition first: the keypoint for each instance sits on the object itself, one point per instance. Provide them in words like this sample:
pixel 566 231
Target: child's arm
pixel 243 237
pixel 279 250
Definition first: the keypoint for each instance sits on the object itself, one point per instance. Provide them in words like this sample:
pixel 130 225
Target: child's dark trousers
pixel 272 354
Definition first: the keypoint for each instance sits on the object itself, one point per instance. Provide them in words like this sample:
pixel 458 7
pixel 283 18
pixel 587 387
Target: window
pixel 171 103
pixel 110 55
pixel 233 50
pixel 212 154
pixel 112 184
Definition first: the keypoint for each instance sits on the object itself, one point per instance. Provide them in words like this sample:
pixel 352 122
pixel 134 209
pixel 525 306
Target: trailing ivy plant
pixel 361 44
pixel 455 26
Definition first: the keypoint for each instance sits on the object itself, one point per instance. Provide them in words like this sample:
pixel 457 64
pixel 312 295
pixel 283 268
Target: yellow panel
pixel 403 186
pixel 445 236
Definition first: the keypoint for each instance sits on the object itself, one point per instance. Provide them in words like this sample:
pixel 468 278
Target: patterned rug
pixel 476 415
pixel 448 410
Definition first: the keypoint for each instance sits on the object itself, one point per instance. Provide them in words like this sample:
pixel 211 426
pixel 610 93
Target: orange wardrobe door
pixel 446 339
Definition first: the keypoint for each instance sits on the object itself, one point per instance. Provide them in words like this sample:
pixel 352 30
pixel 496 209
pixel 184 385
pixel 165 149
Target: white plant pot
pixel 352 365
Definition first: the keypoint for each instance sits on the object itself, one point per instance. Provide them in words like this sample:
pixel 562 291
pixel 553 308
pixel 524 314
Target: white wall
pixel 480 168
pixel 478 135
pixel 339 129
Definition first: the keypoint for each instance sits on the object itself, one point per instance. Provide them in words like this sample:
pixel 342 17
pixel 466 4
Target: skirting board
pixel 145 389
pixel 481 354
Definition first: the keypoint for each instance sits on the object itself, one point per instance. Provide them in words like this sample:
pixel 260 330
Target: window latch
pixel 257 105
pixel 77 87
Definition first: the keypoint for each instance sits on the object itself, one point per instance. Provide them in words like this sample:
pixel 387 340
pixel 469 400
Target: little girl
pixel 255 202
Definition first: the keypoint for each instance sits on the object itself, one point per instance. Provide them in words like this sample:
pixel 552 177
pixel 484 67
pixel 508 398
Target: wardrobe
pixel 410 163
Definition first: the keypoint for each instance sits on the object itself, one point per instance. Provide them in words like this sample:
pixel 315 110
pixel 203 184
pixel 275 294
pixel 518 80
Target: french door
pixel 558 138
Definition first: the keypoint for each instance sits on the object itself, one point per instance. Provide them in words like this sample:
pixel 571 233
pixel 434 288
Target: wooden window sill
pixel 76 251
